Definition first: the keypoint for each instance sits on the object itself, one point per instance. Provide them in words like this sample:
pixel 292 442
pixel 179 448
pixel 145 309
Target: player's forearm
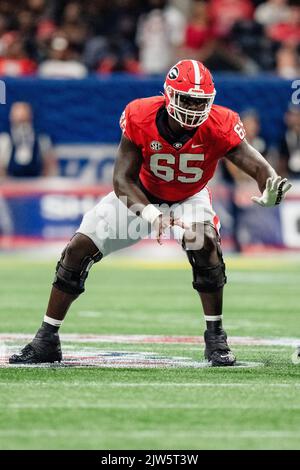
pixel 251 162
pixel 126 176
pixel 263 172
pixel 129 193
pixel 258 168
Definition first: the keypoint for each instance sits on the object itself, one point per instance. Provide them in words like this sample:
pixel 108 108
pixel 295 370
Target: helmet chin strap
pixel 186 126
pixel 176 123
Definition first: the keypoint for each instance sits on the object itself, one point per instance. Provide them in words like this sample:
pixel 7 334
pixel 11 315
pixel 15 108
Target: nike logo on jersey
pixel 195 146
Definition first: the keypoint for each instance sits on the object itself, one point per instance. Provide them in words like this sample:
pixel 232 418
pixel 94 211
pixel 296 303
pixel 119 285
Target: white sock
pixel 213 317
pixel 53 321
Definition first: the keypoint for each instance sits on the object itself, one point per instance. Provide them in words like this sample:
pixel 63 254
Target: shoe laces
pixel 27 351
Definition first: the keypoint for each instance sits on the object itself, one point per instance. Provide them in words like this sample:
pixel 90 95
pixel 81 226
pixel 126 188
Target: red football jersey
pixel 174 172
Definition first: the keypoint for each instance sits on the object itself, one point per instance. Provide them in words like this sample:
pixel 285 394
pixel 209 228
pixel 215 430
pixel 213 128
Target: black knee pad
pixel 206 278
pixel 72 280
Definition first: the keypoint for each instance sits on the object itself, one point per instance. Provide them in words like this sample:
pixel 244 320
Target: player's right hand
pixel 163 222
pixel 274 193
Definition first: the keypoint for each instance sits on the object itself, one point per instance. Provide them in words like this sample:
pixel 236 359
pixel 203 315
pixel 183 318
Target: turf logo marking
pixel 79 353
pixel 123 359
pixel 76 355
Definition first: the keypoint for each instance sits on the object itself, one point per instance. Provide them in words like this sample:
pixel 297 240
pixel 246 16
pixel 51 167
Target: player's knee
pixel 211 245
pixel 204 240
pixel 78 247
pixel 73 267
pixel 207 263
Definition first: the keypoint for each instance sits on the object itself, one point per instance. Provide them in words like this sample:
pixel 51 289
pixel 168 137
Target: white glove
pixel 276 187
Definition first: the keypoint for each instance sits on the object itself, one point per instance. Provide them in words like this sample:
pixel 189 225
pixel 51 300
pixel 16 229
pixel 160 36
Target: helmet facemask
pixel 180 104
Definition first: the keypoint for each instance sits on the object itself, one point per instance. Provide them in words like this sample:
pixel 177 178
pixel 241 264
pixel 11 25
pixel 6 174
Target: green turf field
pixel 173 408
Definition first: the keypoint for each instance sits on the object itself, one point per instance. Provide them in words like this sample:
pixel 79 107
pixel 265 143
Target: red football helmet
pixel 189 92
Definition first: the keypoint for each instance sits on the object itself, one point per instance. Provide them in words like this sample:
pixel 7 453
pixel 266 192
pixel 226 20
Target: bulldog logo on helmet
pixel 173 74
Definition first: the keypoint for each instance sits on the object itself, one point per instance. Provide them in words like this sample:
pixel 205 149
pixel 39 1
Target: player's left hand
pixel 276 188
pixel 163 222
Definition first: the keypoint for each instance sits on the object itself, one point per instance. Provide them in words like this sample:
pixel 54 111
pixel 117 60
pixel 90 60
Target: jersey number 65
pixel 167 173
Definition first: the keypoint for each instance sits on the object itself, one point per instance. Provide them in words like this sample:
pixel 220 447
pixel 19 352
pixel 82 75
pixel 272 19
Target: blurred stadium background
pixel 69 69
pixel 77 64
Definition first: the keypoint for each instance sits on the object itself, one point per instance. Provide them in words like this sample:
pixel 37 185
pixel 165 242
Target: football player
pixel 168 152
pixel 296 356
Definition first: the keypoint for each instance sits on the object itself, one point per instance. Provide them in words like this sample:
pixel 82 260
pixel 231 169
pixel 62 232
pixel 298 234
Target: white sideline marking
pixel 147 406
pixel 154 339
pixel 153 384
pixel 224 435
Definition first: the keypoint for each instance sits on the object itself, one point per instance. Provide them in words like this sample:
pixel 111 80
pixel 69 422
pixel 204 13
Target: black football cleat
pixel 217 351
pixel 42 349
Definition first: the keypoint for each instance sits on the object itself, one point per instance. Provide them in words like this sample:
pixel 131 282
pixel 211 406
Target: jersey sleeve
pixel 233 131
pixel 126 123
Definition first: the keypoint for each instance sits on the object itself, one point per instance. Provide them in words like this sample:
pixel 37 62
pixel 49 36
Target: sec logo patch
pixel 155 145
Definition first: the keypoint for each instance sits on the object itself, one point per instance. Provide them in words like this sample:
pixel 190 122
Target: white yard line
pixel 224 435
pixel 58 383
pixel 146 406
pixel 6 338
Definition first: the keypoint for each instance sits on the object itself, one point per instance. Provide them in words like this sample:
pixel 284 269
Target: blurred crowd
pixel 285 157
pixel 72 38
pixel 27 153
